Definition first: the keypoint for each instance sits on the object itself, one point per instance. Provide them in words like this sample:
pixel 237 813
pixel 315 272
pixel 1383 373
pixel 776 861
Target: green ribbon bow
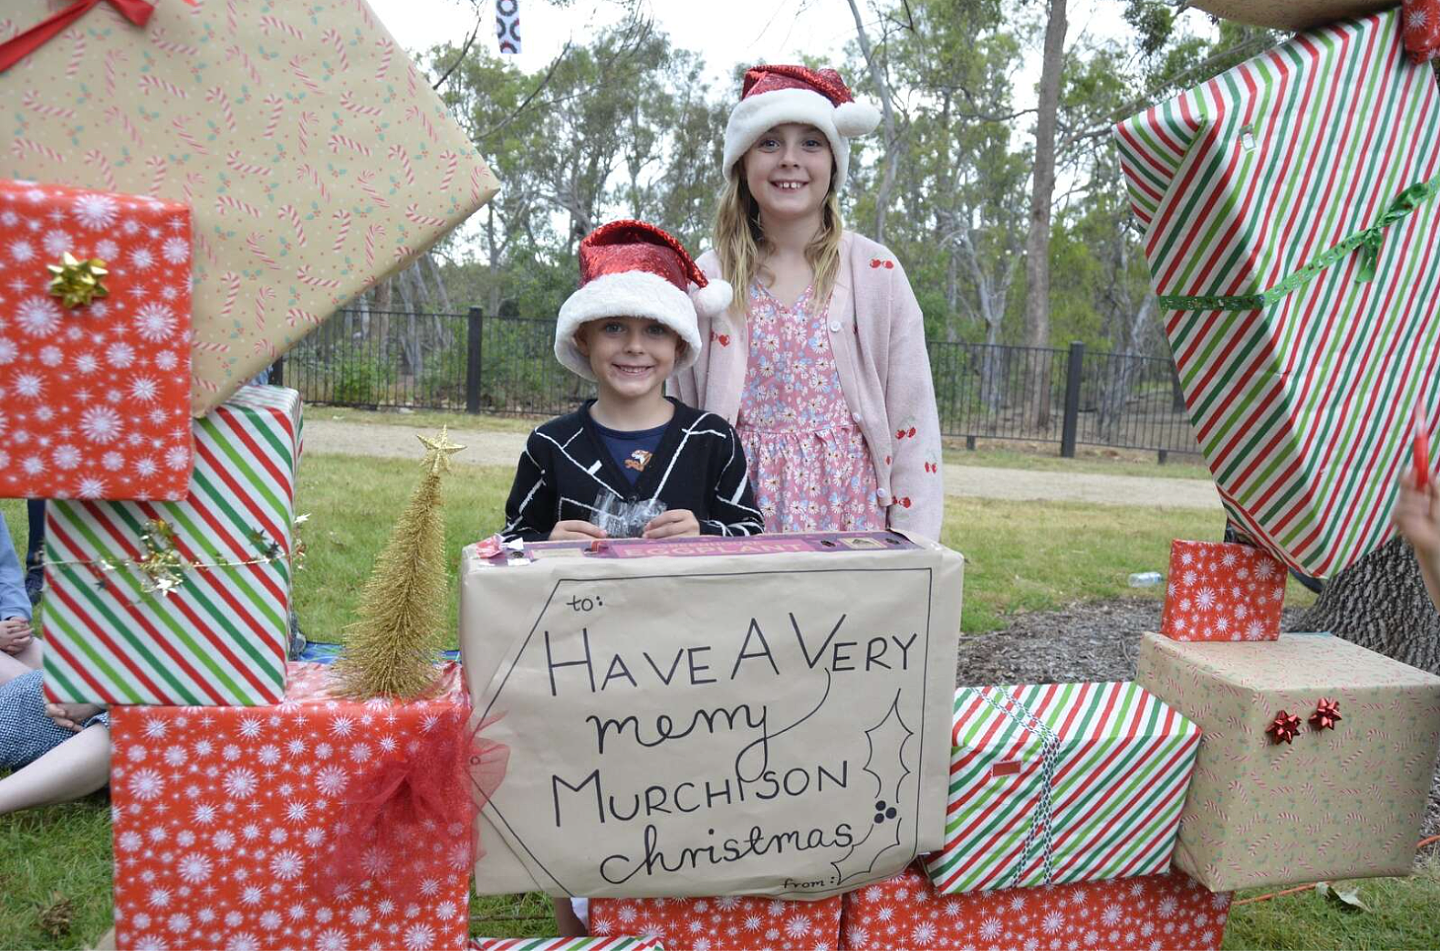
pixel 1367 242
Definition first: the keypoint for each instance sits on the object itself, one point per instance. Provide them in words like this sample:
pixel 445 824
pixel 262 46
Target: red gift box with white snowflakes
pixel 1149 912
pixel 95 344
pixel 735 923
pixel 226 821
pixel 1218 591
pixel 1422 29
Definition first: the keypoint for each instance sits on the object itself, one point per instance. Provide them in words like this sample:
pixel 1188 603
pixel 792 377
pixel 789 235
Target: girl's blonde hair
pixel 740 242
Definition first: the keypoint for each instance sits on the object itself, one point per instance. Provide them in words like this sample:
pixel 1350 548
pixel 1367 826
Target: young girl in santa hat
pixel 820 362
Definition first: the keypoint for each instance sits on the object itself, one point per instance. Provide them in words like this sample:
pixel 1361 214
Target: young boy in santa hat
pixel 630 325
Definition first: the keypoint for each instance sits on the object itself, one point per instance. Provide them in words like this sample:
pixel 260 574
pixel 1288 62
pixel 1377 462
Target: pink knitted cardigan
pixel 878 337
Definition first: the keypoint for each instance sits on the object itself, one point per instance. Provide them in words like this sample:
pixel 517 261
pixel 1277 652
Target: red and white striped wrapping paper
pixel 1301 405
pixel 1062 783
pixel 220 637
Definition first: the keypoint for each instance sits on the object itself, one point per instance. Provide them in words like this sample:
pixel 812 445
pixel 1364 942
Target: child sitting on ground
pixel 58 752
pixel 632 451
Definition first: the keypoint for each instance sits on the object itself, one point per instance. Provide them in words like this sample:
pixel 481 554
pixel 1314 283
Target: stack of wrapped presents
pixel 718 742
pixel 191 188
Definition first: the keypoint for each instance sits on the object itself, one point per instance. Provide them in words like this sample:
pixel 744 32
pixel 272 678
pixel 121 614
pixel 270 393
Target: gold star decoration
pixel 77 282
pixel 438 450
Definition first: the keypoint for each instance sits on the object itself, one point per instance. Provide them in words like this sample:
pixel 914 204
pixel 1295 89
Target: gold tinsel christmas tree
pixel 390 650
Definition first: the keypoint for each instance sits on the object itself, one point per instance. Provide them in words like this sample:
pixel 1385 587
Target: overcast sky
pixel 775 31
pixel 728 32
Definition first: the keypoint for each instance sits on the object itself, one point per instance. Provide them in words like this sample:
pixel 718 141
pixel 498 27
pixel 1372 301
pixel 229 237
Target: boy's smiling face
pixel 631 357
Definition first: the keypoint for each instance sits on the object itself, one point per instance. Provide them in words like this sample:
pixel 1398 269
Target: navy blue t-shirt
pixel 632 450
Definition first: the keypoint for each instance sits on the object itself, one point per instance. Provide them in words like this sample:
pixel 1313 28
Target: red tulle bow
pixel 23 44
pixel 1284 728
pixel 1326 715
pixel 417 801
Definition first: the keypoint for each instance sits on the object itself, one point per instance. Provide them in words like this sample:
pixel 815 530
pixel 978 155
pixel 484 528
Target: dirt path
pixel 502 449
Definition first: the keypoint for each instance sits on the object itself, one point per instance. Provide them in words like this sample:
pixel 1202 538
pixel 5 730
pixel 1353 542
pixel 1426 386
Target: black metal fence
pixel 506 365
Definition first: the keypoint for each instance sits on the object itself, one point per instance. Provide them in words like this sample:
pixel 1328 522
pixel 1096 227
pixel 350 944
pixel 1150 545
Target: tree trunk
pixel 887 178
pixel 1380 602
pixel 1037 245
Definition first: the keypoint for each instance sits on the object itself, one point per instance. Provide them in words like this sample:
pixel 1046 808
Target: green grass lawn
pixel 990 453
pixel 55 863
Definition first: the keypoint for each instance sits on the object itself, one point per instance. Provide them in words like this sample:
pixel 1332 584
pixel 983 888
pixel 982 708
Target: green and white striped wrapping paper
pixel 1059 783
pixel 1300 391
pixel 218 639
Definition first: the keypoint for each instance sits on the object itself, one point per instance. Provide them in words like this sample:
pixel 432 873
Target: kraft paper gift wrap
pixel 763 716
pixel 1338 801
pixel 315 158
pixel 1292 229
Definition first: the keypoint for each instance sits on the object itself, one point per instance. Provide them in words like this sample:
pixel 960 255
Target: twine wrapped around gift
pixel 435 786
pixel 1041 833
pixel 1367 242
pixel 28 41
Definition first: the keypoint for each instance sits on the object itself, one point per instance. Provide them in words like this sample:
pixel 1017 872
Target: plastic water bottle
pixel 1144 579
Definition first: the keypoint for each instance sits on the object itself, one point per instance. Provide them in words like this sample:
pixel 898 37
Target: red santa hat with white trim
pixel 775 95
pixel 634 269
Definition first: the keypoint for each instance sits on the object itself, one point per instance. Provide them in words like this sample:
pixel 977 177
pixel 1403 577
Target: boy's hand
pixel 672 524
pixel 1417 515
pixel 15 635
pixel 573 528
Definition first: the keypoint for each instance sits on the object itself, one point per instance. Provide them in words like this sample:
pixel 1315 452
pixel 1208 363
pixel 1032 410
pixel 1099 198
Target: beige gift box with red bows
pixel 1286 791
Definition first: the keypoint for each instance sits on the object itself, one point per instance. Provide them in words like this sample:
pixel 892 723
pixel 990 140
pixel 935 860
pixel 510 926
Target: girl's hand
pixel 15 635
pixel 672 524
pixel 573 529
pixel 1417 515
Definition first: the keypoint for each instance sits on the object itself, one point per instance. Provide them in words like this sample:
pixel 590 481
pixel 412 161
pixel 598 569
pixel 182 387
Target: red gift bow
pixel 22 45
pixel 1326 715
pixel 1422 29
pixel 1284 728
pixel 445 780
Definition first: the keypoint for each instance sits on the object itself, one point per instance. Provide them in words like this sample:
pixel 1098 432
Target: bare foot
pixel 71 716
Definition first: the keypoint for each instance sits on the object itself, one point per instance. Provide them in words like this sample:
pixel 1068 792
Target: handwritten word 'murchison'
pixel 690 796
pixel 694 666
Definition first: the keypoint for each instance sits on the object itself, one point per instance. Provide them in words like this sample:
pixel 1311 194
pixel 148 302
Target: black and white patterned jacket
pixel 566 468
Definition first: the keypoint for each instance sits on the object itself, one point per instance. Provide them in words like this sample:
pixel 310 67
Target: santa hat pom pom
pixel 856 118
pixel 712 299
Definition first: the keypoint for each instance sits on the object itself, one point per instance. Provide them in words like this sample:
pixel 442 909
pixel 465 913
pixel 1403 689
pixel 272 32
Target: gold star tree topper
pixel 438 450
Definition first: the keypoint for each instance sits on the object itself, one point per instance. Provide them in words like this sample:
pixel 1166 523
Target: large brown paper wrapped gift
pixel 1338 801
pixel 315 158
pixel 762 716
pixel 1291 14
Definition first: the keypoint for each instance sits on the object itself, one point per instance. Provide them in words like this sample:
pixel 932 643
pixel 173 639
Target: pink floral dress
pixel 809 463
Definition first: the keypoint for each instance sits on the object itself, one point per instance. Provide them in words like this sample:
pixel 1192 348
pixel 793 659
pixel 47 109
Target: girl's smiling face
pixel 788 170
